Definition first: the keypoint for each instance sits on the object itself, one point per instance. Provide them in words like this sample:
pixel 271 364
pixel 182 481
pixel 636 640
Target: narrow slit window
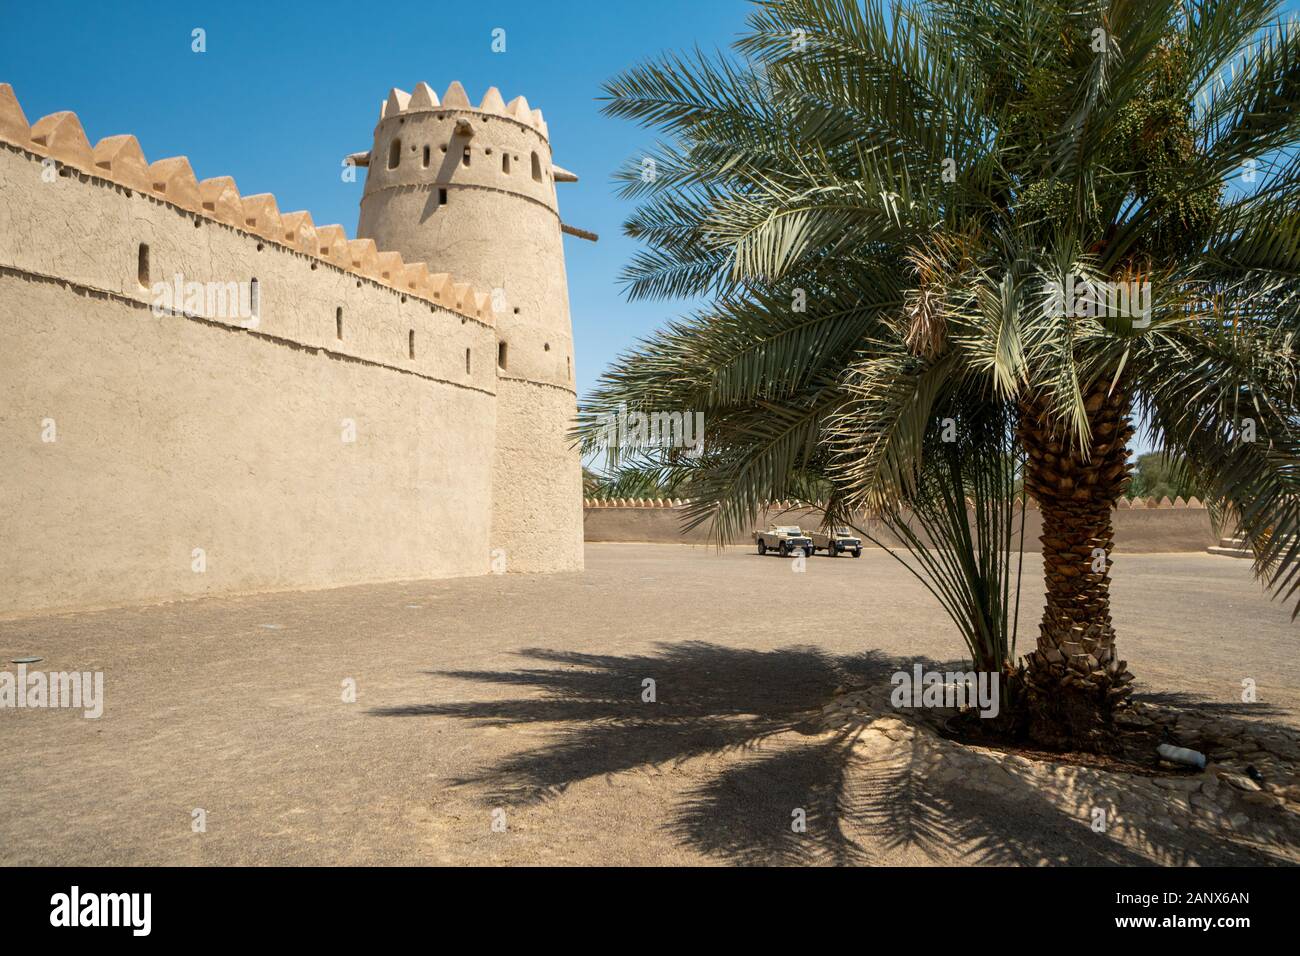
pixel 394 153
pixel 426 157
pixel 464 157
pixel 442 197
pixel 501 355
pixel 142 265
pixel 537 168
pixel 338 323
pixel 505 163
pixel 467 366
pixel 410 343
pixel 254 300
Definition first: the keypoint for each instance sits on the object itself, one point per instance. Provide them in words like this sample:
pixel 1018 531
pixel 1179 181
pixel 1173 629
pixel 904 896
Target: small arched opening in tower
pixel 537 168
pixel 501 355
pixel 505 163
pixel 142 266
pixel 410 344
pixel 426 157
pixel 338 323
pixel 467 365
pixel 394 152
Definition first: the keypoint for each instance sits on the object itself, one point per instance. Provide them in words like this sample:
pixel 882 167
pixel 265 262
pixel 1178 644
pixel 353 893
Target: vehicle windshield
pixel 844 532
pixel 789 531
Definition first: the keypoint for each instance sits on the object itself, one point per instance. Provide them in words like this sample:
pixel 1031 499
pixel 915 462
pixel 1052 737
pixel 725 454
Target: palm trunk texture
pixel 1074 679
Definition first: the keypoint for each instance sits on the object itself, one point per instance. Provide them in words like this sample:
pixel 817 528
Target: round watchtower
pixel 471 191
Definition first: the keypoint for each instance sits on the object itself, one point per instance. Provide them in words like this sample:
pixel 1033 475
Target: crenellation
pixel 423 98
pixel 397 102
pixel 391 268
pixel 300 232
pixel 13 121
pixel 492 102
pixel 443 287
pixel 61 137
pixel 221 200
pixel 332 244
pixel 416 278
pixel 262 216
pixel 461 297
pixel 364 257
pixel 518 108
pixel 401 105
pixel 173 180
pixel 121 160
pixel 456 98
pixel 1123 504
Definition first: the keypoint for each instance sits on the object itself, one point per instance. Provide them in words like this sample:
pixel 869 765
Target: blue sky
pixel 286 90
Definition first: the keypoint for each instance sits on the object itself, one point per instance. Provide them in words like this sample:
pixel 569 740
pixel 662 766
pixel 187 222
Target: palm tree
pixel 887 211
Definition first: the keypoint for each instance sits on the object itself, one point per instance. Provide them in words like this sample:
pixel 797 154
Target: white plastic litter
pixel 1191 758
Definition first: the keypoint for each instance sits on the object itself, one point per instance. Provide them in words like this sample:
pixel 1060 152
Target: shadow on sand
pixel 755 715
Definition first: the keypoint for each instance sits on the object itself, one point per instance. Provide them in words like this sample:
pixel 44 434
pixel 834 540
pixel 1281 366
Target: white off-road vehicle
pixel 783 539
pixel 838 541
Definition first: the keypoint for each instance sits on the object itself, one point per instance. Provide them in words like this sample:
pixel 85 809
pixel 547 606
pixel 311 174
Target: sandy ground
pixel 522 697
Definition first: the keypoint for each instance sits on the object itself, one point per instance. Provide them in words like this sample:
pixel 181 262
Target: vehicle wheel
pixel 857 552
pixel 830 551
pixel 762 546
pixel 785 549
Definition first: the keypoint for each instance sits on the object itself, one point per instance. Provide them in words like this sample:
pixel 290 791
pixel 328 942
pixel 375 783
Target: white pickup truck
pixel 837 542
pixel 784 539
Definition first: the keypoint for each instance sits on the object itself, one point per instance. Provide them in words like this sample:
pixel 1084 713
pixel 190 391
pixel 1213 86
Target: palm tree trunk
pixel 1074 679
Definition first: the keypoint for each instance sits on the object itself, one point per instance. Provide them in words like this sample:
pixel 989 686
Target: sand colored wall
pixel 1148 527
pixel 500 228
pixel 175 433
pixel 214 430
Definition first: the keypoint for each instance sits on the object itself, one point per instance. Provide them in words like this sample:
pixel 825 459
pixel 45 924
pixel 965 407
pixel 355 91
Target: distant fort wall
pixel 1142 526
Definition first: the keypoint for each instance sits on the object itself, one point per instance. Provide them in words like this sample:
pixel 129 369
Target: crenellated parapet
pixel 442 147
pixel 1145 525
pixel 1124 504
pixel 425 100
pixel 119 159
pixel 633 502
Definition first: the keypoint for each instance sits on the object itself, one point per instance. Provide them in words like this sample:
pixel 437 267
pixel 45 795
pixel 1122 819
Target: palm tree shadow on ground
pixel 756 716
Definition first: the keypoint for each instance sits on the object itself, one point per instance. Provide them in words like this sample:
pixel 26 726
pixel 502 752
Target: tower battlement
pixel 423 142
pixel 425 100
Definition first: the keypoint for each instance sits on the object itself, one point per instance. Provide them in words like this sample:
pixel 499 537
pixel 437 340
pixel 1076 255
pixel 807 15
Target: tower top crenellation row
pixel 423 100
